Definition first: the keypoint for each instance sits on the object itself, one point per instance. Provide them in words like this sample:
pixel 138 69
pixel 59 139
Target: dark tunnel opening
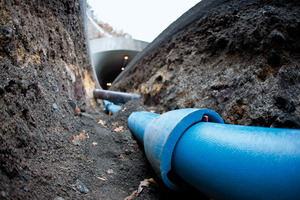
pixel 109 64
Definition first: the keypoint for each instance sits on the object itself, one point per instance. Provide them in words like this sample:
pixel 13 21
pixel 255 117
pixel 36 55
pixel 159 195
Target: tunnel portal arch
pixel 111 55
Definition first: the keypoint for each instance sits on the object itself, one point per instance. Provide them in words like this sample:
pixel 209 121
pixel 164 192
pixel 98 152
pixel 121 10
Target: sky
pixel 142 19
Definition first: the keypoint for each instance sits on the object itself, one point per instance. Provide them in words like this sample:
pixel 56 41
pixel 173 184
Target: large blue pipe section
pixel 221 160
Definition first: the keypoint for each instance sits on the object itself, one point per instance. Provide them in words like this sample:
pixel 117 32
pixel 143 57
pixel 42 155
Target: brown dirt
pixel 45 75
pixel 241 60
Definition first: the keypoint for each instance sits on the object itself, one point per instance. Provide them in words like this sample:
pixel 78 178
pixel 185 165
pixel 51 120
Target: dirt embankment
pixel 48 150
pixel 241 60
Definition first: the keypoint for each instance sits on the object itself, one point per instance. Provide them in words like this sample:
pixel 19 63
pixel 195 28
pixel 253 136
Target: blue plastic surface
pixel 223 161
pixel 111 107
pixel 240 162
pixel 138 121
pixel 162 133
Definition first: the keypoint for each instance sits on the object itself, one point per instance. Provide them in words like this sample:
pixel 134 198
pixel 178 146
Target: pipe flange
pixel 162 134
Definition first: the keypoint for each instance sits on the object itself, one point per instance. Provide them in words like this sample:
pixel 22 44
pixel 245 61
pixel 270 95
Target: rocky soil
pixel 241 60
pixel 56 141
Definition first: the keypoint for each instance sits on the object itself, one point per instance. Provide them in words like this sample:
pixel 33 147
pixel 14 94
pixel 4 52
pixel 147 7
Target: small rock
pixel 72 104
pixel 55 87
pixel 58 198
pixel 3 193
pixel 54 105
pixel 81 187
pixel 129 151
pixel 82 106
pixel 95 143
pixel 110 171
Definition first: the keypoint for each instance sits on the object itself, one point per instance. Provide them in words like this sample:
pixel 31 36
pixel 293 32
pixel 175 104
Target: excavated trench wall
pixel 44 72
pixel 240 58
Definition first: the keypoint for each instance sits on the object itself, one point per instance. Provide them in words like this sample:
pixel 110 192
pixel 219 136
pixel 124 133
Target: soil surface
pixel 241 60
pixel 56 142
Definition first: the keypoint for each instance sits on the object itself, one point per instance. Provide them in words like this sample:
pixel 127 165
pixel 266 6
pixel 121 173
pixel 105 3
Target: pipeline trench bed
pixel 192 147
pixel 208 110
pixel 195 145
pixel 253 162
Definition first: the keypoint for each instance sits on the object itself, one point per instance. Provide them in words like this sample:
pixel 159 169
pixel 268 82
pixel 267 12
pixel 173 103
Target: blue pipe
pixel 109 106
pixel 221 160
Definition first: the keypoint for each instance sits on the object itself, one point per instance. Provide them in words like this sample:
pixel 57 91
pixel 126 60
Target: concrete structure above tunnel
pixel 110 55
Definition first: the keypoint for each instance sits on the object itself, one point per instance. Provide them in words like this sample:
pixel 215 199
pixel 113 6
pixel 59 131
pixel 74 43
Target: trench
pixel 273 148
pixel 110 56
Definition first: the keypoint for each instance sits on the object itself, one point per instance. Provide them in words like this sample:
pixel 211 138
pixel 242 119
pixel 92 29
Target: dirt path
pixel 112 164
pixel 98 159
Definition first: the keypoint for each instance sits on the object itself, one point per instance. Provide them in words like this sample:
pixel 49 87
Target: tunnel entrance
pixel 111 64
pixel 110 56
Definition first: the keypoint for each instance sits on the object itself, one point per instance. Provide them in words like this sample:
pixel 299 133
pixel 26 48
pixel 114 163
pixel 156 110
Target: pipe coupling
pixel 162 133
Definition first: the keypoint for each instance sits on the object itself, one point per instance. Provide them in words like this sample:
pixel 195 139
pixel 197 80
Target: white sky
pixel 142 19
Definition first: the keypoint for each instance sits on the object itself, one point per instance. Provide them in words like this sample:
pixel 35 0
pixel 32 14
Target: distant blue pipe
pixel 111 107
pixel 221 160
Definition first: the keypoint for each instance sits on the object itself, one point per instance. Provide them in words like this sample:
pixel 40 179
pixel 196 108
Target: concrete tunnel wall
pixel 108 57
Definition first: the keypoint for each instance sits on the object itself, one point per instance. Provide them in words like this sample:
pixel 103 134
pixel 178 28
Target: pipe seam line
pixel 164 136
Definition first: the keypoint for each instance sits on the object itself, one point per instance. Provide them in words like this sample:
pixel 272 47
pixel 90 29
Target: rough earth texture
pixel 44 70
pixel 50 147
pixel 241 60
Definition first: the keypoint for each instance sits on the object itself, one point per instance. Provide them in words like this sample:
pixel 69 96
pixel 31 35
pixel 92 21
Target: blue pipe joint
pixel 160 133
pixel 109 106
pixel 221 160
